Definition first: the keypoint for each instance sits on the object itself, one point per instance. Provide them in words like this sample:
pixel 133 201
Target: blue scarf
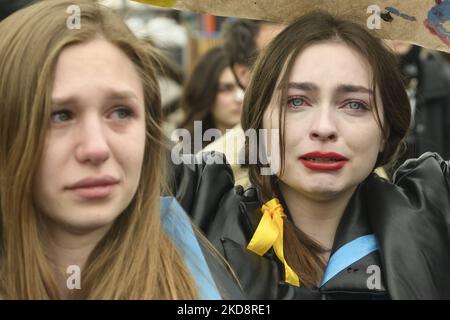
pixel 178 226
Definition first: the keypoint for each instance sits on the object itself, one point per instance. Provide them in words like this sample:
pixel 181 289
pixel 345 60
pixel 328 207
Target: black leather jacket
pixel 409 218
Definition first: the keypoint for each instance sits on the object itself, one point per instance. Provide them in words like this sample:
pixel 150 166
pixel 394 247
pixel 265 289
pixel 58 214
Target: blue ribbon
pixel 178 226
pixel 349 254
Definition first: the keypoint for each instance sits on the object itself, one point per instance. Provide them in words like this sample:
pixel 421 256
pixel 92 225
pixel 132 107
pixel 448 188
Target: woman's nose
pixel 92 144
pixel 323 126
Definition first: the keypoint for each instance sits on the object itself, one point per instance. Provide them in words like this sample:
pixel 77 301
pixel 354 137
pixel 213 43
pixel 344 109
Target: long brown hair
pixel 273 68
pixel 135 259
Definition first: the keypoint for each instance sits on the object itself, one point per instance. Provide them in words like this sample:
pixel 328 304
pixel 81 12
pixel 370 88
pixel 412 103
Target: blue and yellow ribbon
pixel 269 233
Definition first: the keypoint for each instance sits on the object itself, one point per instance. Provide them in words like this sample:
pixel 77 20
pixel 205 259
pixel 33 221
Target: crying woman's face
pixel 332 138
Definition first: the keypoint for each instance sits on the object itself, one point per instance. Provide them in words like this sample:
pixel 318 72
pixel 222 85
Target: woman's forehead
pixel 95 63
pixel 328 65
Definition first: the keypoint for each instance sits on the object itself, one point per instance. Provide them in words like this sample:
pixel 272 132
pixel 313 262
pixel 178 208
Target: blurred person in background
pixel 212 95
pixel 243 40
pixel 427 79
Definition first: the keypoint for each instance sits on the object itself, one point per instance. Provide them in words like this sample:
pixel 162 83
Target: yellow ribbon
pixel 159 3
pixel 269 233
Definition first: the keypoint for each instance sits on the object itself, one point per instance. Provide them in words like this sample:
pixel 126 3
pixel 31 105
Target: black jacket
pixel 409 218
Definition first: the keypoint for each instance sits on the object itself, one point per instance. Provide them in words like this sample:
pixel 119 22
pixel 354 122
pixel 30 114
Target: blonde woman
pixel 81 159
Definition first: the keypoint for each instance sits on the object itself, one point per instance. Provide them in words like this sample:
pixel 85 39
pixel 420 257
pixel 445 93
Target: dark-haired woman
pixel 324 226
pixel 212 96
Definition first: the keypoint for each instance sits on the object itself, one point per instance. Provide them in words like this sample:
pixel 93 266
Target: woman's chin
pixel 321 193
pixel 83 225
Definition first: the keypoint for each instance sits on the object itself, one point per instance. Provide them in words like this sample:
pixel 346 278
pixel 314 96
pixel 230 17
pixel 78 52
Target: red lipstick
pixel 323 161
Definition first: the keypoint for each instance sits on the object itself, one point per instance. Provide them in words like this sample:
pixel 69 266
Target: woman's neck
pixel 66 248
pixel 318 218
pixel 222 128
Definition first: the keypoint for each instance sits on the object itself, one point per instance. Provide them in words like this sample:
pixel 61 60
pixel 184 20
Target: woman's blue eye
pixel 122 113
pixel 61 116
pixel 355 105
pixel 296 102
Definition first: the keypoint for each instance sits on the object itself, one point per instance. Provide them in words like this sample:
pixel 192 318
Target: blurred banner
pixel 422 22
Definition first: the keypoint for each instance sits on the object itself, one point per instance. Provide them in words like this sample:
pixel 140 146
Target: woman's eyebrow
pixel 342 88
pixel 125 94
pixel 110 94
pixel 350 88
pixel 305 86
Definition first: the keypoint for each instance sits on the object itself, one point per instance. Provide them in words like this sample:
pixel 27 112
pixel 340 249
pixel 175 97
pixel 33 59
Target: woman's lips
pixel 323 165
pixel 94 192
pixel 94 187
pixel 323 160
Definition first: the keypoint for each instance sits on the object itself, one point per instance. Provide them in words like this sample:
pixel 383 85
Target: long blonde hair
pixel 135 259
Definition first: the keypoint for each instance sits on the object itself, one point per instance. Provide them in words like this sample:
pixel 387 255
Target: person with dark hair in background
pixel 427 80
pixel 212 95
pixel 243 40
